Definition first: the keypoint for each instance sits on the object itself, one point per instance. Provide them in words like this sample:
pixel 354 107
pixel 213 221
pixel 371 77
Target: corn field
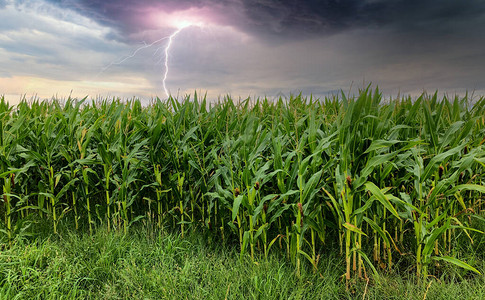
pixel 371 179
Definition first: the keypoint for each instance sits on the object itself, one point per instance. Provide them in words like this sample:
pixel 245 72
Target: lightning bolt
pixel 167 49
pixel 145 45
pixel 119 62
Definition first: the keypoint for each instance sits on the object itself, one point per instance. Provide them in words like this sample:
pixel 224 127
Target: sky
pixel 241 48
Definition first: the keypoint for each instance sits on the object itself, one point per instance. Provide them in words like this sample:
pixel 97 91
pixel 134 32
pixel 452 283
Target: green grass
pixel 149 264
pixel 114 266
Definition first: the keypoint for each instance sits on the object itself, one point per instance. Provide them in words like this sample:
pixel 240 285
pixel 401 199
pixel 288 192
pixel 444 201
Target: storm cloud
pixel 284 19
pixel 242 47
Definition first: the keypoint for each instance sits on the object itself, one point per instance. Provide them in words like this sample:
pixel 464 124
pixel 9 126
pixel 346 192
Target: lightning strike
pixel 180 25
pixel 119 62
pixel 167 49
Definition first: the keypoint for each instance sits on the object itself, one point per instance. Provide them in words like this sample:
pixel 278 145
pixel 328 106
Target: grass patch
pixel 162 265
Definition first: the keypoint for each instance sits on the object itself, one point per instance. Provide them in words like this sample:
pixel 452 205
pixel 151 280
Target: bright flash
pixel 180 21
pixel 181 25
pixel 167 48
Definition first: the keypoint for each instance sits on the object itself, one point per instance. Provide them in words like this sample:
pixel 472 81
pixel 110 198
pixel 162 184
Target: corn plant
pixel 295 175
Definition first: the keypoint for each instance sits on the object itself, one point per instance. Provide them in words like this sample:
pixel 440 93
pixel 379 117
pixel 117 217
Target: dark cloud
pixel 311 46
pixel 280 19
pixel 437 17
pixel 313 18
pixel 308 18
pixel 125 15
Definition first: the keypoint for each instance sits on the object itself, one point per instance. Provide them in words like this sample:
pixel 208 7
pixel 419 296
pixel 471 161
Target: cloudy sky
pixel 116 48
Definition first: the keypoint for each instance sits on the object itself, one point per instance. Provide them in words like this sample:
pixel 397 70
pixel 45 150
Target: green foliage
pixel 306 175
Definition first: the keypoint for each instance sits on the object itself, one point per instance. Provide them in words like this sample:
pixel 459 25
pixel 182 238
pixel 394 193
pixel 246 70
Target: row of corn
pixel 374 180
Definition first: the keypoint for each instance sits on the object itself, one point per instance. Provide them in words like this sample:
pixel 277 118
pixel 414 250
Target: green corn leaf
pixel 260 230
pixel 469 187
pixel 306 256
pixel 371 187
pixel 336 206
pixel 236 205
pixel 246 240
pixel 353 228
pixel 4 174
pixel 279 236
pixel 457 262
pixel 278 212
pixel 311 185
pixel 378 229
pixel 435 234
pixel 364 207
pixel 260 206
pixel 367 260
pixel 438 159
